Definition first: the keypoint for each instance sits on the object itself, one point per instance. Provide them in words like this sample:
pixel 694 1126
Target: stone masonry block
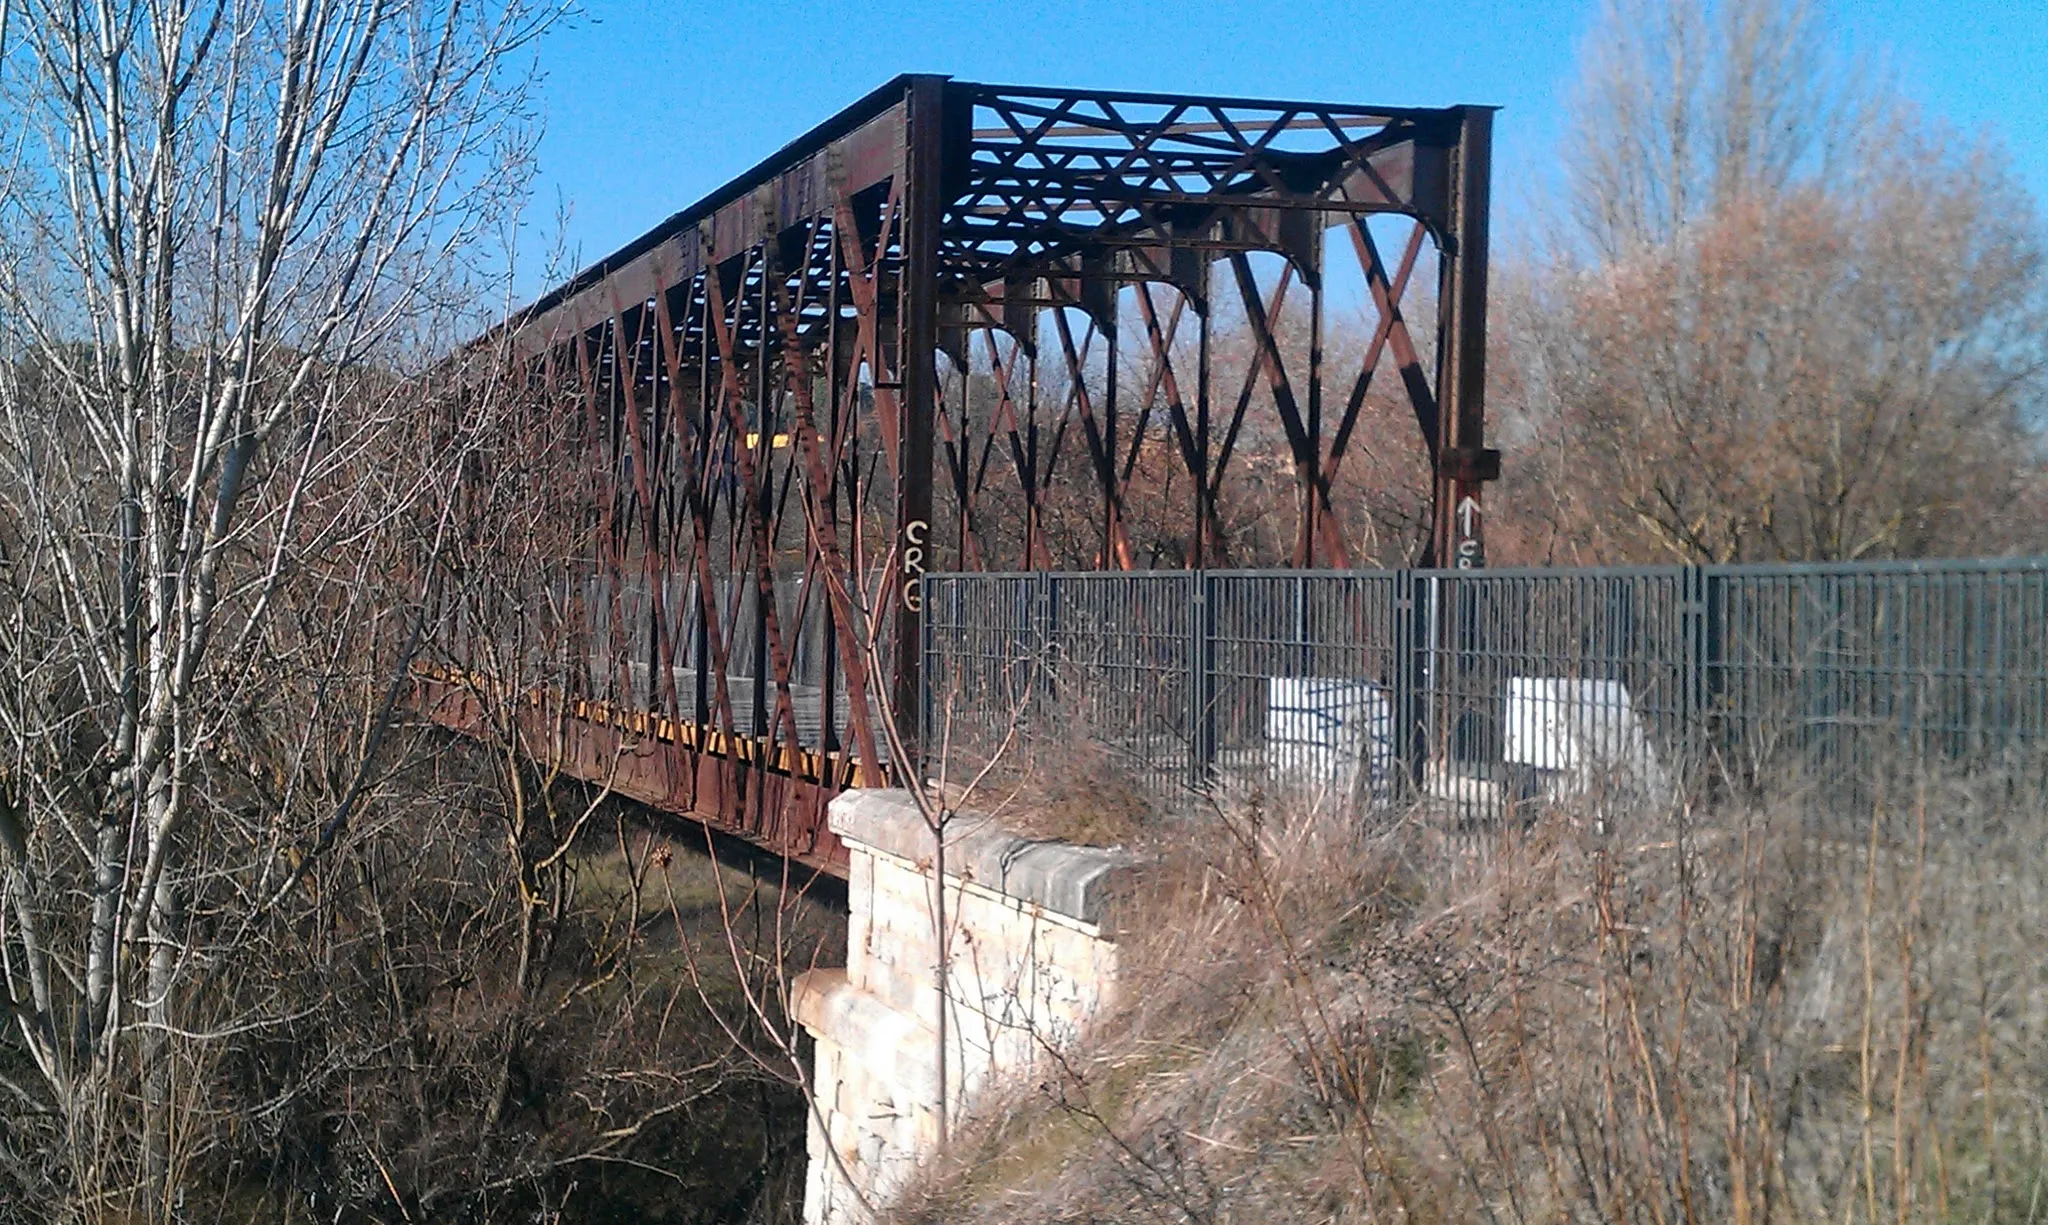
pixel 1075 881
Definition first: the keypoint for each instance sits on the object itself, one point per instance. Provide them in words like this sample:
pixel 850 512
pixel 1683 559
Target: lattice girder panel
pixel 1050 174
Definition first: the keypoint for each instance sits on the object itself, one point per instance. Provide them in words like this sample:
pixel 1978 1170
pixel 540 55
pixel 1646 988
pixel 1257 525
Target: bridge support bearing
pixel 1031 956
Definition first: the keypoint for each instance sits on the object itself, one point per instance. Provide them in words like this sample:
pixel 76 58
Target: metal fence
pixel 1482 690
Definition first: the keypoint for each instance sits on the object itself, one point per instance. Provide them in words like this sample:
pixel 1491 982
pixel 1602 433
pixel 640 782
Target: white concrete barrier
pixel 1322 731
pixel 1582 738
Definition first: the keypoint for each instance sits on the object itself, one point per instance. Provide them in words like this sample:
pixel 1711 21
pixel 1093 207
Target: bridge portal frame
pixel 778 382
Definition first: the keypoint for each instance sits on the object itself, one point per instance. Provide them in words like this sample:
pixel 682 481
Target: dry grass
pixel 1069 792
pixel 1708 1016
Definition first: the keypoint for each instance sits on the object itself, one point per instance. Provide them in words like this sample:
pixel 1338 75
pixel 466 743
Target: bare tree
pixel 224 230
pixel 1684 106
pixel 1761 340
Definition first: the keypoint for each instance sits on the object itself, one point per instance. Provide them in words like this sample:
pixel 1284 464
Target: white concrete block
pixel 1584 735
pixel 1321 731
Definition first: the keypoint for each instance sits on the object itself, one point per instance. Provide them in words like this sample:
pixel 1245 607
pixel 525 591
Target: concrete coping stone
pixel 1075 881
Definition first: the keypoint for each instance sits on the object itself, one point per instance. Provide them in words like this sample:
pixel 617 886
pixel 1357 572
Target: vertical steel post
pixel 963 493
pixel 707 596
pixel 1463 462
pixel 764 467
pixel 917 360
pixel 1314 508
pixel 1204 547
pixel 1112 524
pixel 837 357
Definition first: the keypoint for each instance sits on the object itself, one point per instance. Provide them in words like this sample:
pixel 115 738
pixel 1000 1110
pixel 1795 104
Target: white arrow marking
pixel 1468 514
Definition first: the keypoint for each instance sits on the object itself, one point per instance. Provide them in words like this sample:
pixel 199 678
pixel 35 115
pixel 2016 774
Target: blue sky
pixel 649 106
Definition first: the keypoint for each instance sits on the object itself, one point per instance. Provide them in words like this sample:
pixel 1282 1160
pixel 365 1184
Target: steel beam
pixel 1462 457
pixel 918 317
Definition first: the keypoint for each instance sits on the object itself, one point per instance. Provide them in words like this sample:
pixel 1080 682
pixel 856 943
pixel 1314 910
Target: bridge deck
pixel 756 707
pixel 764 789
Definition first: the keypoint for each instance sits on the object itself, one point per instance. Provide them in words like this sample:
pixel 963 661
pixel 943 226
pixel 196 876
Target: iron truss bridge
pixel 957 326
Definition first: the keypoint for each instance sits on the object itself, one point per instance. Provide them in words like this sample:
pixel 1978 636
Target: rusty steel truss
pixel 893 347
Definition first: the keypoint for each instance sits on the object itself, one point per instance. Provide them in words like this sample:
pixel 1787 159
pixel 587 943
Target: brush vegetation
pixel 1720 1012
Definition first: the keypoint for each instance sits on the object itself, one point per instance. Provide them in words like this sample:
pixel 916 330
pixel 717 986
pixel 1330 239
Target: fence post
pixel 1702 593
pixel 1692 644
pixel 1303 662
pixel 1692 647
pixel 1410 747
pixel 928 652
pixel 1045 620
pixel 1201 677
